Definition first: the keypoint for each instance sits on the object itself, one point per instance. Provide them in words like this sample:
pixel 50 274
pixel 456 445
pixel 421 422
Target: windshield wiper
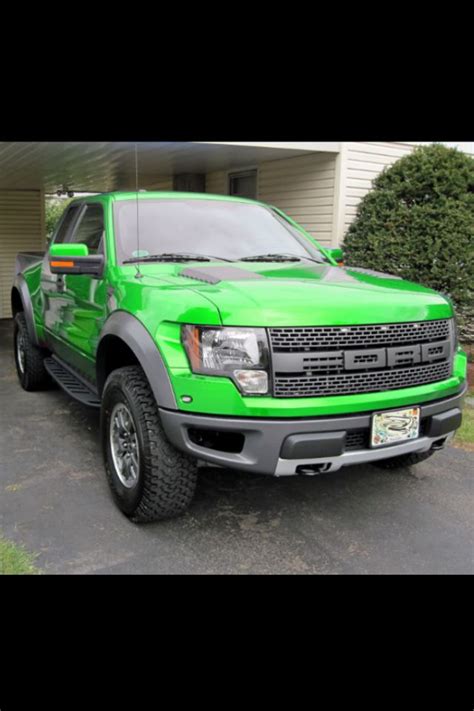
pixel 279 258
pixel 175 257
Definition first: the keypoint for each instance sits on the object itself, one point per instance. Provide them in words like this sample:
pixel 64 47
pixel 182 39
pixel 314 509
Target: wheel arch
pixel 21 302
pixel 125 341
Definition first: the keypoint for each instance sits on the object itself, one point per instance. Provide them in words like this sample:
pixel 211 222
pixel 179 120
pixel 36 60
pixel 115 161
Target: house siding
pixel 362 163
pixel 217 183
pixel 22 228
pixel 165 184
pixel 303 187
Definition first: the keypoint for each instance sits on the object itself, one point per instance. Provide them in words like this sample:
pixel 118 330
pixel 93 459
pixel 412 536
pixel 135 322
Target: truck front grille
pixel 321 361
pixel 287 340
pixel 350 383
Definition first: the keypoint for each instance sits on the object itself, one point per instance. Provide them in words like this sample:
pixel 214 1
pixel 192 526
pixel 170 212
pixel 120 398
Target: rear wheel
pixel 29 358
pixel 403 460
pixel 150 480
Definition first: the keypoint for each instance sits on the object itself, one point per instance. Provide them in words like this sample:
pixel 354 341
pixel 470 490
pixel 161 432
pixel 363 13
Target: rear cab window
pixel 90 228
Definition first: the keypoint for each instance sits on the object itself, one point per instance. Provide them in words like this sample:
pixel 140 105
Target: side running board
pixel 71 382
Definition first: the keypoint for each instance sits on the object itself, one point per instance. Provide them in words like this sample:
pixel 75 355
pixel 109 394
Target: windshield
pixel 221 229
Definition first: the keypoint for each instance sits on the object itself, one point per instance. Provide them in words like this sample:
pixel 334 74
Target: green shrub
pixel 418 222
pixel 54 208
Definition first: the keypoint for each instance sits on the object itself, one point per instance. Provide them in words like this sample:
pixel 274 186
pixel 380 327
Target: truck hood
pixel 273 294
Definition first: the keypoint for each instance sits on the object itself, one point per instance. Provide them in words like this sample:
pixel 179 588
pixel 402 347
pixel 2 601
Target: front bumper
pixel 285 447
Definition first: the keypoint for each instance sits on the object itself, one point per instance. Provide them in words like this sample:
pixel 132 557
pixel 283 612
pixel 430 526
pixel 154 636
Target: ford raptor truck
pixel 215 329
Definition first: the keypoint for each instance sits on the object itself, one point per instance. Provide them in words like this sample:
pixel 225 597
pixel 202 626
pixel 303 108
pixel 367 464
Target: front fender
pixel 134 334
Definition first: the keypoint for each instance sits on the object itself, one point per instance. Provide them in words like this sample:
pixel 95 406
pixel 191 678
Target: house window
pixel 243 184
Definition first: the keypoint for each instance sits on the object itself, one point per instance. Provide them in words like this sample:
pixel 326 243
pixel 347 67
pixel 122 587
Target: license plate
pixel 395 426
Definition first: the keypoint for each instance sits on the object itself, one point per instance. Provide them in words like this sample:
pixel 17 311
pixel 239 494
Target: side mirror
pixel 338 255
pixel 75 259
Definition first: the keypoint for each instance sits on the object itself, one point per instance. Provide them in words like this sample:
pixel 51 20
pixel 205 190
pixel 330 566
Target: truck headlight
pixel 239 353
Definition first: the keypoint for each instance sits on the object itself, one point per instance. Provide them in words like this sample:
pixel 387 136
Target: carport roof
pixel 102 166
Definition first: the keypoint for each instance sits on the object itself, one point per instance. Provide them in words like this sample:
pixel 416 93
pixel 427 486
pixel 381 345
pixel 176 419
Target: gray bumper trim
pixel 287 467
pixel 264 438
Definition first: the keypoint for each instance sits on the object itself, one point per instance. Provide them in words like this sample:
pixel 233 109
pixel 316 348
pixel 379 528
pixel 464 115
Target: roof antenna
pixel 138 275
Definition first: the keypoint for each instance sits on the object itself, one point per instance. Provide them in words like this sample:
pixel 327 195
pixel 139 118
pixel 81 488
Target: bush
pixel 418 223
pixel 54 208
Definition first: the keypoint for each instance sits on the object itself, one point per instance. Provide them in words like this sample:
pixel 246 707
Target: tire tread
pixel 170 476
pixel 36 376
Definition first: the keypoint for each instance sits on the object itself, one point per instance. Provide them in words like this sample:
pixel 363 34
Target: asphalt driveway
pixel 54 500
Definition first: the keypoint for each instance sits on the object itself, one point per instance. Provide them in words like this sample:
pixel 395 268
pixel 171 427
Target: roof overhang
pixel 100 166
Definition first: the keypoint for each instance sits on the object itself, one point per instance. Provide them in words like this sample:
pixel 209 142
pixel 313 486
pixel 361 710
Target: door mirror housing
pixel 75 259
pixel 338 255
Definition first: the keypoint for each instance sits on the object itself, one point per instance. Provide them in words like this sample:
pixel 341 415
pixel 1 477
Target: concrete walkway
pixel 54 499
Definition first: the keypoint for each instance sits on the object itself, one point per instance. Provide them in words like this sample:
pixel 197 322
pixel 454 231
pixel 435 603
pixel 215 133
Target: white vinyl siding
pixel 217 183
pixel 362 163
pixel 303 187
pixel 21 229
pixel 165 184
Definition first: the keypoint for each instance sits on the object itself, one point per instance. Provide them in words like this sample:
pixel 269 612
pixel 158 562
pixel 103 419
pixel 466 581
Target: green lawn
pixel 465 434
pixel 14 560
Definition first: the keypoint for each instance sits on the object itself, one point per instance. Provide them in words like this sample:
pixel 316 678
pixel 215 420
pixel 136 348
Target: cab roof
pixel 165 195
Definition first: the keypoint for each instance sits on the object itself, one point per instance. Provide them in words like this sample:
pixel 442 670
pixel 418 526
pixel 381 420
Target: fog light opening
pixel 231 442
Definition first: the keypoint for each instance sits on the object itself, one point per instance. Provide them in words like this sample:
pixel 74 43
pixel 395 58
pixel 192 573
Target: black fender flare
pixel 134 334
pixel 21 287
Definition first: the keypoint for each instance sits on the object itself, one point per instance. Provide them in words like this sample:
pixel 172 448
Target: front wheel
pixel 150 480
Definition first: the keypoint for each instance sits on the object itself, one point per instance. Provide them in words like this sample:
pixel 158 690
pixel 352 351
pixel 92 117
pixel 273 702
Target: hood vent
pixel 214 275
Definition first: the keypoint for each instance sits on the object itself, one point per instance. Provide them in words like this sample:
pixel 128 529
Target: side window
pixel 90 228
pixel 65 226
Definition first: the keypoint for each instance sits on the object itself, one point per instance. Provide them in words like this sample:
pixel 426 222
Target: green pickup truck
pixel 216 329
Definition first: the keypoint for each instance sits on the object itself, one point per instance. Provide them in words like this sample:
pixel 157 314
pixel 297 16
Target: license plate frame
pixel 394 427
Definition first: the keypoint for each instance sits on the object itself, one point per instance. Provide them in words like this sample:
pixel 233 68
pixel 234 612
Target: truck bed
pixel 25 260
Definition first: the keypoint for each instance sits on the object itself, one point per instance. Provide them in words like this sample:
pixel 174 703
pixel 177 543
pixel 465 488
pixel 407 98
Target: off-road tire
pixel 403 460
pixel 167 477
pixel 34 375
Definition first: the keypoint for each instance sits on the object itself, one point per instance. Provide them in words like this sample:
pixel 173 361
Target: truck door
pixel 85 295
pixel 54 300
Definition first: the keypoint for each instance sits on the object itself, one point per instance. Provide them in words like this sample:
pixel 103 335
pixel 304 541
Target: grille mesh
pixel 321 337
pixel 357 439
pixel 349 383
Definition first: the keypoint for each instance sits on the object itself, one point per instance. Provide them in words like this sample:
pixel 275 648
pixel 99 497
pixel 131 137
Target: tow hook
pixel 313 469
pixel 439 444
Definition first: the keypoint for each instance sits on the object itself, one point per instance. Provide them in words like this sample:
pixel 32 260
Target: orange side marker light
pixel 62 264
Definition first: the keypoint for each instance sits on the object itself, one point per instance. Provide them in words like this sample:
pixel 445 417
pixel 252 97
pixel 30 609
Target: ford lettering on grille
pixel 341 360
